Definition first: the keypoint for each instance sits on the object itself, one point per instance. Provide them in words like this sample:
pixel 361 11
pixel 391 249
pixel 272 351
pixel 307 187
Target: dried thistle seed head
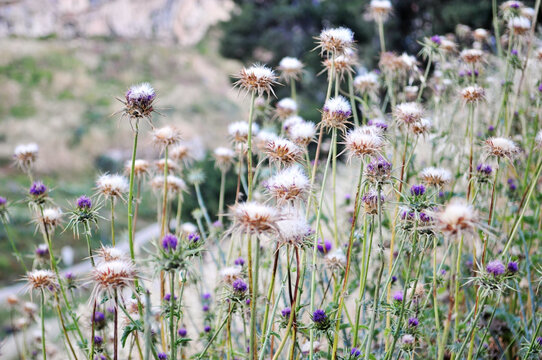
pixel 224 158
pixel 112 275
pixel 110 253
pixel 407 113
pixel 473 94
pixel 370 202
pixel 306 347
pixel 389 63
pixel 472 56
pixel 447 45
pixel 263 138
pixel 288 185
pixel 254 218
pixel 238 131
pixel 141 167
pixel 336 41
pixel 343 63
pixel 112 186
pixel 366 83
pixel 172 166
pixel 378 170
pixel 511 5
pixel 528 12
pixel 283 151
pixel 175 185
pixel 231 273
pixel 421 127
pixel 380 10
pixel 480 35
pixel 293 230
pixel 12 300
pixel 51 217
pixel 416 293
pixel 335 113
pixel 257 79
pixel 286 107
pixel 411 92
pixel 44 280
pixel 335 260
pixel 436 176
pixel 364 140
pixel 181 153
pixel 519 25
pixel 456 217
pixel 501 147
pixel 291 121
pixel 139 101
pixel 25 155
pixel 166 136
pixel 290 68
pixel 302 134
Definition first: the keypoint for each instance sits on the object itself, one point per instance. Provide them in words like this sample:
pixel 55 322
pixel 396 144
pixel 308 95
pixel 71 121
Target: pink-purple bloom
pixel 169 242
pixel 495 268
pixel 84 203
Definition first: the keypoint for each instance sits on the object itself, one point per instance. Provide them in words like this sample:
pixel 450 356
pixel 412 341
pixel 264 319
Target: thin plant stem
pixel 221 195
pixel 131 193
pixel 12 243
pixel 112 221
pixel 42 315
pixel 249 146
pixel 172 331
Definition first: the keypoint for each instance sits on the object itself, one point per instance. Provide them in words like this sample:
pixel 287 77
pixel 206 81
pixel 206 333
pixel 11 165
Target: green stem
pixel 221 195
pixel 131 195
pixel 352 98
pixel 112 220
pixel 42 314
pixel 172 331
pixel 253 301
pixel 10 239
pixel 200 356
pixel 249 146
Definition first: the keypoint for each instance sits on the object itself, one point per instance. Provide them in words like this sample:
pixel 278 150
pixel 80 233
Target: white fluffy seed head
pixel 291 121
pixel 112 275
pixel 480 34
pixel 421 127
pixel 473 94
pixel 364 140
pixel 336 112
pixel 366 83
pixel 286 107
pixel 379 10
pixel 172 166
pixel 436 176
pixel 230 274
pixel 45 280
pixel 472 56
pixel 166 136
pixel 302 133
pixel 520 25
pixel 141 167
pixel 283 151
pixel 52 216
pixel 288 185
pixel 223 157
pixel 110 253
pixel 263 138
pixel 501 147
pixel 25 155
pixel 182 153
pixel 175 184
pixel 257 78
pixel 238 131
pixel 456 217
pixel 336 40
pixel 112 185
pixel 293 230
pixel 290 67
pixel 407 113
pixel 141 91
pixel 336 259
pixel 255 218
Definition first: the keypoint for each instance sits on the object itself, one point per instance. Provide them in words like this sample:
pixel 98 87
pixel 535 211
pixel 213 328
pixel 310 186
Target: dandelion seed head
pixel 433 176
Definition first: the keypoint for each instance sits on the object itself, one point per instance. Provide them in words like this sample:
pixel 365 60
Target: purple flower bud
pixel 3 201
pixel 539 340
pixel 69 276
pixel 247 302
pixel 169 242
pixel 206 296
pixel 319 316
pixel 286 312
pixel 205 308
pixel 512 185
pixel 239 261
pixel 495 267
pixel 417 190
pixel 484 169
pixel 98 340
pixel 540 87
pixel 217 224
pixel 355 352
pixel 37 189
pixel 239 286
pixel 514 5
pixel 514 52
pixel 413 322
pixel 436 39
pixel 182 332
pixel 42 250
pixel 207 328
pixel 513 267
pixel 393 279
pixel 398 296
pixel 326 244
pixel 167 297
pixel 162 356
pixel 193 237
pixel 99 317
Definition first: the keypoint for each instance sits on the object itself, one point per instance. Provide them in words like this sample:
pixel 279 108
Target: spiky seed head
pixel 238 131
pixel 291 121
pixel 335 260
pixel 293 229
pixel 257 79
pixel 44 280
pixel 456 217
pixel 166 136
pixel 283 151
pixel 286 107
pixel 472 56
pixel 447 45
pixel 172 165
pixel 528 12
pixel 335 40
pixel 380 10
pixel 366 83
pixel 223 158
pixel 112 185
pixel 25 155
pixel 408 113
pixel 473 94
pixel 263 138
pixel 231 273
pixel 181 153
pixel 290 68
pixel 51 217
pixel 519 25
pixel 343 63
pixel 480 34
pixel 302 133
pixel 421 127
pixel 501 147
pixel 335 113
pixel 110 253
pixel 112 275
pixel 254 218
pixel 141 167
pixel 370 202
pixel 436 176
pixel 364 140
pixel 175 185
pixel 139 101
pixel 288 185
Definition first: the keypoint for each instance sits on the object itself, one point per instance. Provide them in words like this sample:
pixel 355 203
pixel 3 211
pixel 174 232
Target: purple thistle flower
pixel 37 189
pixel 42 250
pixel 162 356
pixel 319 316
pixel 495 267
pixel 84 203
pixel 379 169
pixel 193 237
pixel 239 261
pixel 413 322
pixel 205 308
pixel 206 296
pixel 378 123
pixel 169 242
pixel 98 340
pixel 514 5
pixel 3 201
pixel 182 332
pixel 99 317
pixel 436 39
pixel 514 52
pixel 513 267
pixel 425 218
pixel 540 87
pixel 286 312
pixel 239 286
pixel 355 352
pixel 417 190
pixel 207 328
pixel 217 224
pixel 398 296
pixel 491 128
pixel 484 169
pixel 393 279
pixel 512 185
pixel 326 244
pixel 247 301
pixel 167 297
pixel 69 276
pixel 539 340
